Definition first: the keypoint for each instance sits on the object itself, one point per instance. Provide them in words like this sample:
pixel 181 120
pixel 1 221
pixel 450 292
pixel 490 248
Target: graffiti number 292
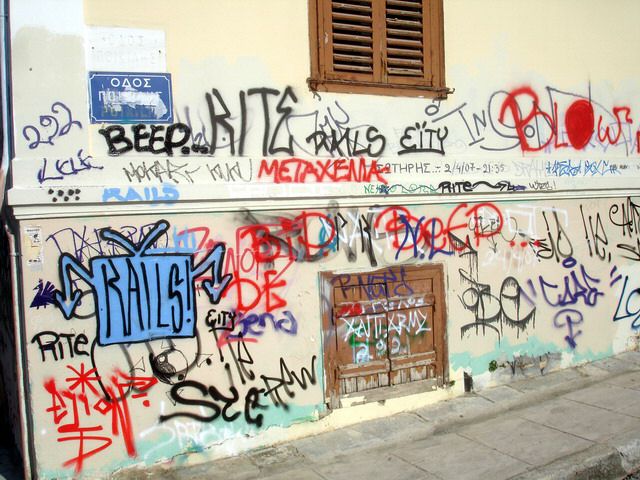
pixel 51 126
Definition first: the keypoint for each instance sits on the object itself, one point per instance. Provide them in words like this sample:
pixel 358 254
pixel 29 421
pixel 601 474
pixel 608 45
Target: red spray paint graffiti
pixel 523 107
pixel 79 411
pixel 297 170
pixel 265 250
pixel 579 122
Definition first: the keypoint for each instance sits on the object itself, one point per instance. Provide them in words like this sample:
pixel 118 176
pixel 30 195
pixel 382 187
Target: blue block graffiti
pixel 142 296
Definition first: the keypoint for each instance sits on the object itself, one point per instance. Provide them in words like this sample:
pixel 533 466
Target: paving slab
pixel 372 465
pixel 627 444
pixel 632 357
pixel 234 468
pixel 614 365
pixel 450 456
pixel 585 421
pixel 592 371
pixel 272 460
pixel 563 378
pixel 627 380
pixel 530 442
pixel 300 473
pixel 323 447
pixel 633 409
pixel 456 409
pixel 164 471
pixel 401 427
pixel 598 462
pixel 609 397
pixel 502 393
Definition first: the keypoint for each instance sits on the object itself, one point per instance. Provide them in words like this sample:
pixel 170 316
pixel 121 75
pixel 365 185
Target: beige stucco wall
pixel 557 235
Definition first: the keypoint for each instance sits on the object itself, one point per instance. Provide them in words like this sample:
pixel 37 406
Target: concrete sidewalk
pixel 582 422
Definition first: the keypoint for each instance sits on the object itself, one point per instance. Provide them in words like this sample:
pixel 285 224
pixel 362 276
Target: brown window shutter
pixel 404 38
pixel 352 36
pixel 390 47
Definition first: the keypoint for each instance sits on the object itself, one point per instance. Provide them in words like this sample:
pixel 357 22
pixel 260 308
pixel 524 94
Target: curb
pixel 596 462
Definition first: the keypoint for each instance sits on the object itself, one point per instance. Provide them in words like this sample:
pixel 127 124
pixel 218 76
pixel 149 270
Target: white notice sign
pixel 125 49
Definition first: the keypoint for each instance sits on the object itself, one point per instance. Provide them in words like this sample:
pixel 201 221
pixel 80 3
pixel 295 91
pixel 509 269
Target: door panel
pixel 410 331
pixel 411 327
pixel 359 338
pixel 387 329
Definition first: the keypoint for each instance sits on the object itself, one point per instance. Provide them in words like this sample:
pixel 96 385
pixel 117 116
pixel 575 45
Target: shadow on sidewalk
pixel 10 462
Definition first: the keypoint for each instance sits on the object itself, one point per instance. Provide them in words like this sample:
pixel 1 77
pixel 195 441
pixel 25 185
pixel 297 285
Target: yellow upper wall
pixel 569 40
pixel 564 41
pixel 274 32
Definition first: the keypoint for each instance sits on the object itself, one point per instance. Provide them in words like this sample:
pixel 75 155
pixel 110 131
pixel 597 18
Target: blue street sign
pixel 130 97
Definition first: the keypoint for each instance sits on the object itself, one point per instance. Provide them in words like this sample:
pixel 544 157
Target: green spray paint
pixel 533 347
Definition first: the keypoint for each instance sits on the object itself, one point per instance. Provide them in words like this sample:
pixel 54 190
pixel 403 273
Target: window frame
pixel 324 79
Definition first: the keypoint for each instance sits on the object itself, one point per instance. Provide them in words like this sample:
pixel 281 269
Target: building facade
pixel 236 223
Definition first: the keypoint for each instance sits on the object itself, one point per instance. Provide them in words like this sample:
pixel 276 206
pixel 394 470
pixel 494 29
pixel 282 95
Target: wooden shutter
pixel 394 47
pixel 405 35
pixel 352 35
pixel 360 321
pixel 412 327
pixel 351 44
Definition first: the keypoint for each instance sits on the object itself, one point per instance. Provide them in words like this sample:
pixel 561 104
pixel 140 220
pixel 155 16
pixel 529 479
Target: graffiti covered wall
pixel 171 262
pixel 171 323
pixel 151 337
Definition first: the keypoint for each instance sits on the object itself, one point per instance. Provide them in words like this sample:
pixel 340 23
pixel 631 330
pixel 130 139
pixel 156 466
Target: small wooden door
pixel 383 328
